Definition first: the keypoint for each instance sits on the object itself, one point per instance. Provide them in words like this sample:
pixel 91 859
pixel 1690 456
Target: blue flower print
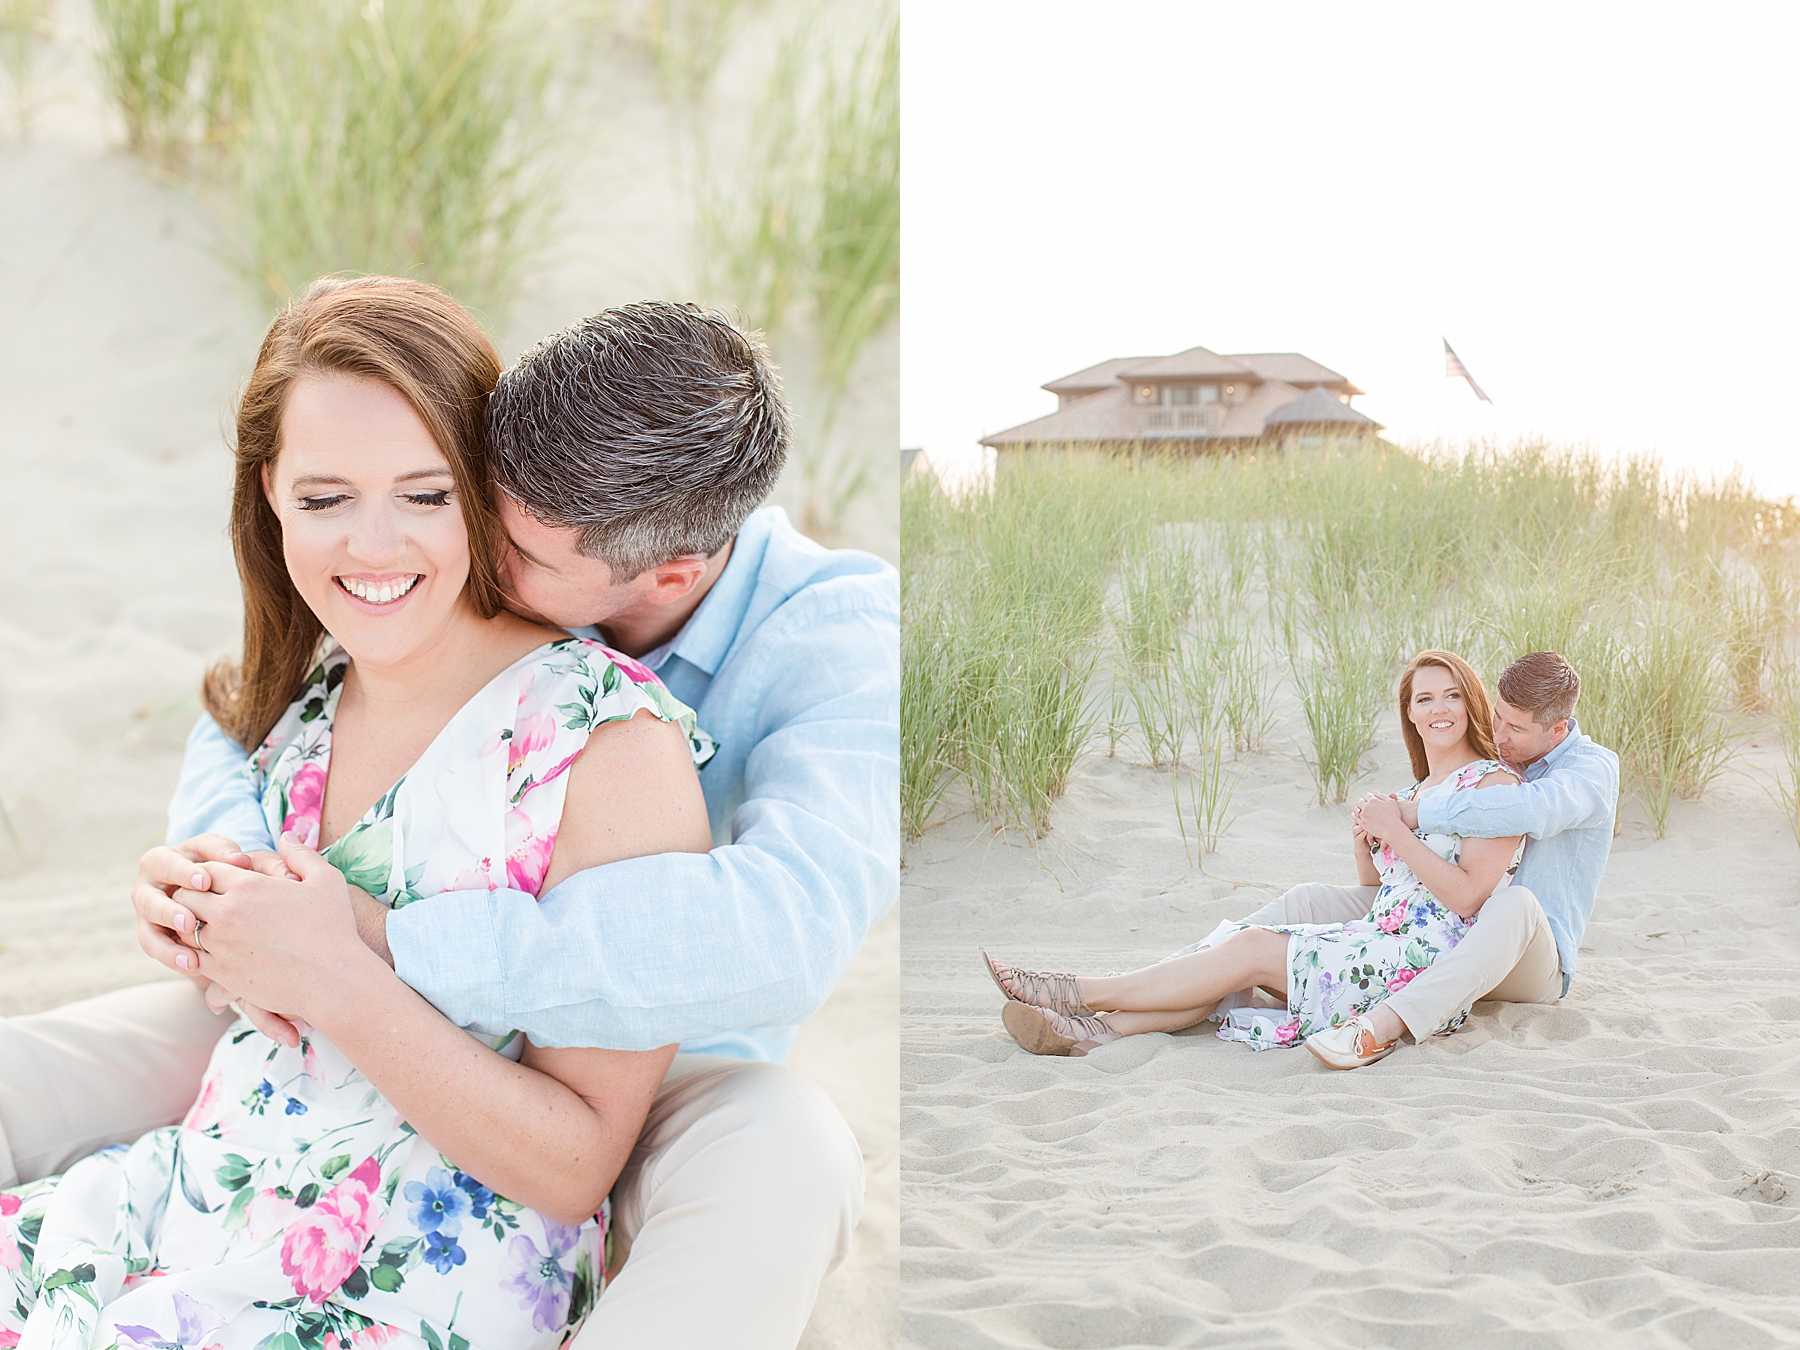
pixel 265 1089
pixel 296 1107
pixel 480 1197
pixel 438 1204
pixel 442 1252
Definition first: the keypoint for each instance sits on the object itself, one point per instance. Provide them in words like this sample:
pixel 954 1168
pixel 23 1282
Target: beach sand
pixel 122 341
pixel 1622 1169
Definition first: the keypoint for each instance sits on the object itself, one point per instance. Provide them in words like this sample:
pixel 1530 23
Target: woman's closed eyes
pixel 426 499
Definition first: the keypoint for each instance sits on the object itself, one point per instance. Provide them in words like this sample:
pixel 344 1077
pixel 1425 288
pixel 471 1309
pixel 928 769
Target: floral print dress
pixel 293 1209
pixel 1338 970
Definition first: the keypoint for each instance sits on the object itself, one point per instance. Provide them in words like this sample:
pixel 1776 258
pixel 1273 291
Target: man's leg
pixel 98 1072
pixel 1510 954
pixel 1316 902
pixel 739 1198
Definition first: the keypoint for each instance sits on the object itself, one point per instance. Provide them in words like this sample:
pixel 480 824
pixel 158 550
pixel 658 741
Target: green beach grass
pixel 1165 601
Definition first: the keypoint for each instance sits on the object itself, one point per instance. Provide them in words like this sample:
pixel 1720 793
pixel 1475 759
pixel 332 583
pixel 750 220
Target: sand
pixel 1622 1169
pixel 122 341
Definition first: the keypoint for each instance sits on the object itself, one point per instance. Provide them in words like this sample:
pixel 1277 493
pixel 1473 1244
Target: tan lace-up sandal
pixel 1044 1032
pixel 1040 988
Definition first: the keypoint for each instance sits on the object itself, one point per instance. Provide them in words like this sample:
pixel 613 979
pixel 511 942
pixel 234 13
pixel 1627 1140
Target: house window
pixel 1190 395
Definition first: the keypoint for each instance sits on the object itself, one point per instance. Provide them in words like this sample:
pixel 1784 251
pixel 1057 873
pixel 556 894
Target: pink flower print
pixel 532 733
pixel 9 1205
pixel 376 1337
pixel 8 1339
pixel 9 1252
pixel 306 799
pixel 268 1214
pixel 1389 922
pixel 319 1252
pixel 527 864
pixel 205 1110
pixel 475 878
pixel 1288 1032
pixel 638 674
pixel 1402 978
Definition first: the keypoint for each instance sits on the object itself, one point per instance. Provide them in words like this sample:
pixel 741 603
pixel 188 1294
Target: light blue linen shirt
pixel 792 663
pixel 1566 806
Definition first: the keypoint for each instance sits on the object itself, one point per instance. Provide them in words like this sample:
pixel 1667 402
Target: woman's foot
pixel 1049 1033
pixel 1352 1044
pixel 1039 988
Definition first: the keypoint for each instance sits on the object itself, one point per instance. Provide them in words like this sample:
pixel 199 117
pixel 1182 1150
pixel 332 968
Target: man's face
pixel 545 574
pixel 1518 736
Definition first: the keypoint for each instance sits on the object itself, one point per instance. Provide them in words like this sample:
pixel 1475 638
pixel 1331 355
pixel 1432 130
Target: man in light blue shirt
pixel 1524 945
pixel 629 453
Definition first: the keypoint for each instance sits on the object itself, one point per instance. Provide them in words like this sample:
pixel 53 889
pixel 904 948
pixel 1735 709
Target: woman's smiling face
pixel 371 526
pixel 1437 709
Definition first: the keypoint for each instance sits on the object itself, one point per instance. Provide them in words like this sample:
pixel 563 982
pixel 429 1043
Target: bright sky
pixel 1594 203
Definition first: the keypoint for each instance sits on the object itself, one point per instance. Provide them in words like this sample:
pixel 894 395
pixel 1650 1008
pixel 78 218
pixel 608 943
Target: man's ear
pixel 676 579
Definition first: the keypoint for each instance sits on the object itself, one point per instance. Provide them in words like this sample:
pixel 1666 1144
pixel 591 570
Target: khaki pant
pixel 1509 955
pixel 739 1198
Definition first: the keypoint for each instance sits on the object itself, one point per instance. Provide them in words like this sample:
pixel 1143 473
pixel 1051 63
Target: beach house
pixel 1193 401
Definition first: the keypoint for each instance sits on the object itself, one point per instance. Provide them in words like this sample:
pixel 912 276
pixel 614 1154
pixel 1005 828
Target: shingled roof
pixel 1316 407
pixel 1294 368
pixel 1195 363
pixel 1103 376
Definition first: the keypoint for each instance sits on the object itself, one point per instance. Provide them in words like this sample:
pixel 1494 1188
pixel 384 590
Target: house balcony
pixel 1193 420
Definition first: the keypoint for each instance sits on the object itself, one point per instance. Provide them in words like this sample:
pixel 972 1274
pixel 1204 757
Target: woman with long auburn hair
pixel 357 1170
pixel 1332 977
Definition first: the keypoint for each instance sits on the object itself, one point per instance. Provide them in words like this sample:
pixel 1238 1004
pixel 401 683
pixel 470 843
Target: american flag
pixel 1454 368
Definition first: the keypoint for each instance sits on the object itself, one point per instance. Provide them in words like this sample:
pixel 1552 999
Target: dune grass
pixel 408 138
pixel 1785 703
pixel 23 24
pixel 1672 598
pixel 800 226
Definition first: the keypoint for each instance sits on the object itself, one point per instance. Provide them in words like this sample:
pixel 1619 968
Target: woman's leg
pixel 1189 986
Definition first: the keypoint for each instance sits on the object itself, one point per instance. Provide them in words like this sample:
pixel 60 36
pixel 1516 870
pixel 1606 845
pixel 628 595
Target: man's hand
pixel 166 928
pixel 160 873
pixel 278 940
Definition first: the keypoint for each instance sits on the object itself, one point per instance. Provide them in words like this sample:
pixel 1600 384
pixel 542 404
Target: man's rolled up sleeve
pixel 1563 800
pixel 213 795
pixel 676 947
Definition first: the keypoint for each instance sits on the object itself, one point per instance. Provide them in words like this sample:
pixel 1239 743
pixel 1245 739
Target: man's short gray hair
pixel 653 428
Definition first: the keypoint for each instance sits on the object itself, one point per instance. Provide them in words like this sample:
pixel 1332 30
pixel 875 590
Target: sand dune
pixel 1619 1170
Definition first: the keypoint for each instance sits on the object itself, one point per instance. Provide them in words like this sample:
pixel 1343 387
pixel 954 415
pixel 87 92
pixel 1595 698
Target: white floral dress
pixel 1338 970
pixel 293 1209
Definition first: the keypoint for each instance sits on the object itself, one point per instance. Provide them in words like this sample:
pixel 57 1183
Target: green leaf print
pixel 82 1274
pixel 356 1283
pixel 431 1337
pixel 333 1165
pixel 234 1172
pixel 237 1213
pixel 581 1293
pixel 365 856
pixel 610 680
pixel 281 1340
pixel 1415 956
pixel 387 1278
pixel 191 1192
pixel 309 1195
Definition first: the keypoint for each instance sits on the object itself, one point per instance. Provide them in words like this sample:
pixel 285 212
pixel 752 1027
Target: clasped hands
pixel 262 930
pixel 1381 817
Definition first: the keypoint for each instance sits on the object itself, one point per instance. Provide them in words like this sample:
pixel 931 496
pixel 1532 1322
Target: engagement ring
pixel 198 925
